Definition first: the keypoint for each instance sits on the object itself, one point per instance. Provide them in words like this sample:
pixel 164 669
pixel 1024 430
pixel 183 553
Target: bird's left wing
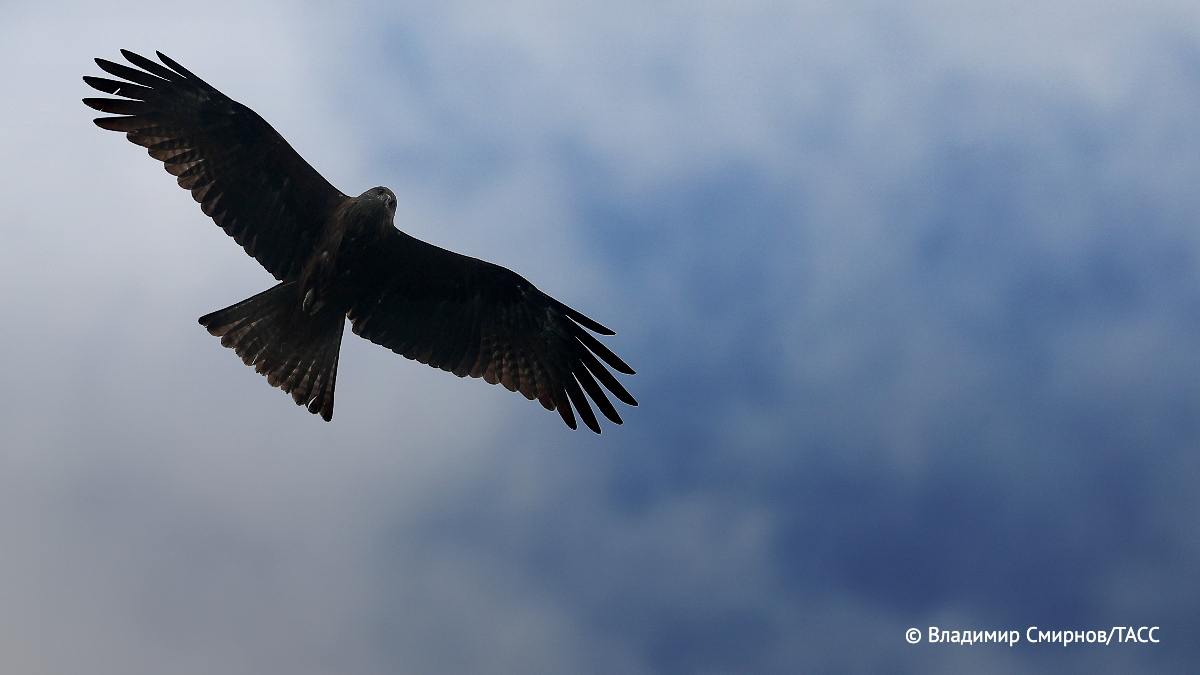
pixel 470 317
pixel 241 171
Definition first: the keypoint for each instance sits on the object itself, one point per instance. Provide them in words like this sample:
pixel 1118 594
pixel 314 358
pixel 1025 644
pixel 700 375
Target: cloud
pixel 911 293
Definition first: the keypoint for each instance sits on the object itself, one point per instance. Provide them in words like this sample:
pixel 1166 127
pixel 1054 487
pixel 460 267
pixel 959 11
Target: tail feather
pixel 297 352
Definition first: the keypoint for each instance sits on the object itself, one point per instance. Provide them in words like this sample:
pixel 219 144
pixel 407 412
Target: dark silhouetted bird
pixel 339 257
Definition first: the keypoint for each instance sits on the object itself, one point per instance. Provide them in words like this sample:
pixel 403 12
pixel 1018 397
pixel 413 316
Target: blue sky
pixel 912 294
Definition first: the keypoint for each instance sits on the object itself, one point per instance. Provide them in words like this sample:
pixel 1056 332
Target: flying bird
pixel 338 257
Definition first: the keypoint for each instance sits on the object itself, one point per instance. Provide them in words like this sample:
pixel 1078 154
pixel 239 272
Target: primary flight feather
pixel 339 257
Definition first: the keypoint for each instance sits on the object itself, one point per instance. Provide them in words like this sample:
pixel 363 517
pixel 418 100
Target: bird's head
pixel 384 196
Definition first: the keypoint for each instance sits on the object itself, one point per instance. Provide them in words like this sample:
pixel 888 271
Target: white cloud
pixel 160 506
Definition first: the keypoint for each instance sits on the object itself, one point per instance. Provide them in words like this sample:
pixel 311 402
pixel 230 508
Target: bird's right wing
pixel 471 317
pixel 241 171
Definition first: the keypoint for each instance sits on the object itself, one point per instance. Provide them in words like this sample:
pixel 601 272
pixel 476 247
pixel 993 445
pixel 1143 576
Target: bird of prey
pixel 339 257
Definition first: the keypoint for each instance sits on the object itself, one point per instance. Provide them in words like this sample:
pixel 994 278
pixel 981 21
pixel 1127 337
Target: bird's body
pixel 357 226
pixel 338 257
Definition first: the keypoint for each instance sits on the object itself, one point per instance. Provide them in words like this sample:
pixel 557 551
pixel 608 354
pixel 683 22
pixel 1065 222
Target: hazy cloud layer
pixel 912 293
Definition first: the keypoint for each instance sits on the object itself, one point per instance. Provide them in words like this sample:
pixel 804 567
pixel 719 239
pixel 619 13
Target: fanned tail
pixel 297 352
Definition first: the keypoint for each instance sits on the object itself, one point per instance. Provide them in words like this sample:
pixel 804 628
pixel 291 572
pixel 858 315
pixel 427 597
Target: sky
pixel 912 292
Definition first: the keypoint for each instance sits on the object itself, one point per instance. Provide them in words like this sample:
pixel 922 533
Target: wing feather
pixel 473 318
pixel 243 174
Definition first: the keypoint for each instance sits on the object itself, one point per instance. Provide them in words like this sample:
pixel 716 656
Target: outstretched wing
pixel 241 171
pixel 471 317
